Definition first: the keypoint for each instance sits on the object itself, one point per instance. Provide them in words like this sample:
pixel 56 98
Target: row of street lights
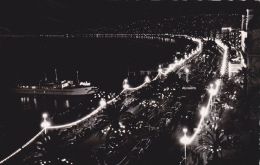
pixel 185 140
pixel 45 124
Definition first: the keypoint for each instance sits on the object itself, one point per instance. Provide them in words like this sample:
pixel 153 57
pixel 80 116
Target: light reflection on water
pixel 32 101
pixel 50 102
pixel 61 109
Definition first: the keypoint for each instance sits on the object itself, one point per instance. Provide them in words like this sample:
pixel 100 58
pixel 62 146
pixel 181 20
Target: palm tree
pixel 44 149
pixel 246 74
pixel 211 141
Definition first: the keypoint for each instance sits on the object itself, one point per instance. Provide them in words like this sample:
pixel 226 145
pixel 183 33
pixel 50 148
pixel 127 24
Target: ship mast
pixel 77 76
pixel 45 77
pixel 56 76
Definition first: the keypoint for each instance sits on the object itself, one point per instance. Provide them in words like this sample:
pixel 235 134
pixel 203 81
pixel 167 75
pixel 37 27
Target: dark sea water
pixel 103 62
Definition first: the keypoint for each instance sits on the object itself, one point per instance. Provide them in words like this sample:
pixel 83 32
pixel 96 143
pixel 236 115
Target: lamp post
pixel 187 71
pixel 45 123
pixel 147 79
pixel 160 69
pixel 204 112
pixel 185 145
pixel 102 103
pixel 213 92
pixel 125 84
pixel 185 141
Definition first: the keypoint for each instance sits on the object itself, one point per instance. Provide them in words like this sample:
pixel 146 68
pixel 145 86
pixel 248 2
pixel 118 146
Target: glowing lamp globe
pixel 187 70
pixel 203 112
pixel 102 102
pixel 218 82
pixel 147 79
pixel 45 124
pixel 125 84
pixel 211 85
pixel 160 69
pixel 44 115
pixel 125 81
pixel 185 140
pixel 212 91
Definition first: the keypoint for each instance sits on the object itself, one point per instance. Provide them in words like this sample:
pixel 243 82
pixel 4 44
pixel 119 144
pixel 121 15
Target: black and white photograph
pixel 130 82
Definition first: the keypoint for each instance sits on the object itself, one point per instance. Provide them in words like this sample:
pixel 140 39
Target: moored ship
pixel 65 87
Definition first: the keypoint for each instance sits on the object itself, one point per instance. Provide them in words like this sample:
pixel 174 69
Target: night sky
pixel 68 16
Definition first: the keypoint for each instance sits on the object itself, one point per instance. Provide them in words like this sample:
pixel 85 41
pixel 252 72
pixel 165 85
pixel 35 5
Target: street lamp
pixel 45 123
pixel 203 112
pixel 185 141
pixel 212 91
pixel 160 69
pixel 171 66
pixel 102 102
pixel 147 79
pixel 218 82
pixel 125 84
pixel 187 71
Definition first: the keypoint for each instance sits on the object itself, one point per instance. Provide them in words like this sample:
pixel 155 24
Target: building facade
pixel 250 44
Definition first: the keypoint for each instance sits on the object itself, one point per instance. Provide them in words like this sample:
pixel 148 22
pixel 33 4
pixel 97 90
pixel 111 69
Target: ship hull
pixel 65 92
